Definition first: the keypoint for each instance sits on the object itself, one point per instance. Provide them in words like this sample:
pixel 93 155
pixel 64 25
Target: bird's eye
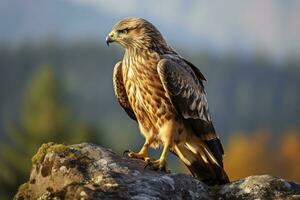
pixel 124 31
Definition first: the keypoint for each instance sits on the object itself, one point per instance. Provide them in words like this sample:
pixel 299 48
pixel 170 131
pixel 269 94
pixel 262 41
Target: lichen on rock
pixel 51 147
pixel 87 171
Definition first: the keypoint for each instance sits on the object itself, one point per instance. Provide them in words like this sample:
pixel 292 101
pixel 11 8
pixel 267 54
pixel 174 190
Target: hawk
pixel 164 93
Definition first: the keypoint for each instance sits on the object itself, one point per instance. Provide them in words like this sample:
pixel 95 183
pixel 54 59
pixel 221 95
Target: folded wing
pixel 185 88
pixel 120 91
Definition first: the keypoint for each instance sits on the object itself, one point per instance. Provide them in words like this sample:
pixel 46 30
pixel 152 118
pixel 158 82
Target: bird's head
pixel 138 33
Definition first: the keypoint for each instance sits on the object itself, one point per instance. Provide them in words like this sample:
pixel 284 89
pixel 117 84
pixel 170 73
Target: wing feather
pixel 184 88
pixel 120 91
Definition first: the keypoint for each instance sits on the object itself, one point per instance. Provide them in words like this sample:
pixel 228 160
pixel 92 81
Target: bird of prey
pixel 164 93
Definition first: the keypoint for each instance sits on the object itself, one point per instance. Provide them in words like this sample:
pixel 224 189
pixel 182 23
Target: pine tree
pixel 45 117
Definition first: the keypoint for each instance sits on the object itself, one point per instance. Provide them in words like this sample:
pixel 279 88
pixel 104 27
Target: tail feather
pixel 216 149
pixel 201 161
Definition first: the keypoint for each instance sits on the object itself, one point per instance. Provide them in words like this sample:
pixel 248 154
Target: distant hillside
pixel 242 94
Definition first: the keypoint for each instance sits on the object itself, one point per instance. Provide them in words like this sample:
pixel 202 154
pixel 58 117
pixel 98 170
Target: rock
pixel 87 171
pixel 260 187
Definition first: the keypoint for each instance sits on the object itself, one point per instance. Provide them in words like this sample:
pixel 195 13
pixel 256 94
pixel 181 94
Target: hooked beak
pixel 109 39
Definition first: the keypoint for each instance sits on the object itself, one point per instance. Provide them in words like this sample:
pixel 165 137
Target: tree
pixel 45 117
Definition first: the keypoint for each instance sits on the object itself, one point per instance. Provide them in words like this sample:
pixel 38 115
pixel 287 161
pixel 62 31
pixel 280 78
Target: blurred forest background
pixel 56 78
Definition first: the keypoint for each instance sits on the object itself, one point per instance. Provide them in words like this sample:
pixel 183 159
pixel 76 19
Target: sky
pixel 271 26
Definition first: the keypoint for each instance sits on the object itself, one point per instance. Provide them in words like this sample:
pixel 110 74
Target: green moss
pixel 71 155
pixel 39 156
pixel 215 190
pixel 215 187
pixel 60 149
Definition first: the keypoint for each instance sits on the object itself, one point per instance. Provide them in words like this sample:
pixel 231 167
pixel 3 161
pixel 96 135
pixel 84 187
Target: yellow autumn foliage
pixel 259 153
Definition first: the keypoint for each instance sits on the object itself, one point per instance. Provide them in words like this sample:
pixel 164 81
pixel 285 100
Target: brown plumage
pixel 164 93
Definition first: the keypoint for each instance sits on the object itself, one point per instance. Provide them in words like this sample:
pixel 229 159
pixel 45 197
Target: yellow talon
pixel 142 154
pixel 157 165
pixel 139 155
pixel 160 164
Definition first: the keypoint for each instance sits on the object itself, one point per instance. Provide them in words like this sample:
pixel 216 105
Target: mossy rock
pixel 60 149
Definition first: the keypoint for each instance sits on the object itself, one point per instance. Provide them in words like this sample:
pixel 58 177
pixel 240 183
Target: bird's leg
pixel 142 154
pixel 167 137
pixel 161 163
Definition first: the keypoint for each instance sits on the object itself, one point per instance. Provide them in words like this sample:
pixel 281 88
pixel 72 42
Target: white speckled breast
pixel 145 91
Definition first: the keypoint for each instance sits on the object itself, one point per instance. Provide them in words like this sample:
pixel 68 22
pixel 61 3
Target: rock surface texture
pixel 87 171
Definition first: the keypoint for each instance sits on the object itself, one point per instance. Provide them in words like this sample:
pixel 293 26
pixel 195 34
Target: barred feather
pixel 155 85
